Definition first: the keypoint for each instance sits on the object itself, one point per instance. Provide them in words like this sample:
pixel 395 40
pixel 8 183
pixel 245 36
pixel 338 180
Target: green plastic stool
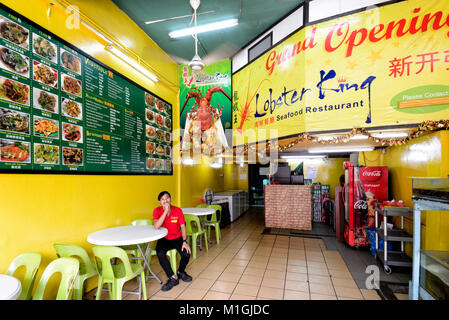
pixel 68 267
pixel 202 205
pixel 87 269
pixel 116 275
pixel 213 222
pixel 194 231
pixel 31 261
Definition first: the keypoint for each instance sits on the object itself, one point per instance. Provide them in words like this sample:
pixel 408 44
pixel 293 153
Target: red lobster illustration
pixel 245 112
pixel 201 109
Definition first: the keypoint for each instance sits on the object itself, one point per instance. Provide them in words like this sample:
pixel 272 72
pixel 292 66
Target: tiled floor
pixel 248 265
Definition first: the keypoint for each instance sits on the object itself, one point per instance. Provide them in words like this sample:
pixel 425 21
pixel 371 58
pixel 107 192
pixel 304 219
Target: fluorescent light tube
pixel 381 135
pixel 304 157
pixel 133 63
pixel 204 28
pixel 359 137
pixel 335 149
pixel 98 33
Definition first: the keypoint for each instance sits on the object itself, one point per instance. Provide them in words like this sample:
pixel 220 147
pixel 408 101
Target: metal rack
pixel 430 194
pixel 392 258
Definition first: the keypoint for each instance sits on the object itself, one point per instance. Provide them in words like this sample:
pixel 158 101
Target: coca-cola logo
pixel 371 175
pixel 361 205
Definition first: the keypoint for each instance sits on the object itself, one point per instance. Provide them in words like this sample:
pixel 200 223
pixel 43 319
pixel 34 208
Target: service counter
pixel 288 206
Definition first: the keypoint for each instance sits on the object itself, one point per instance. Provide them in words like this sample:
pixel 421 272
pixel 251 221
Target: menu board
pixel 63 111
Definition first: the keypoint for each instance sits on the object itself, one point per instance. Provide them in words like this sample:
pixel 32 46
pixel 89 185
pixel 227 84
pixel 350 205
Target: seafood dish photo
pixel 71 62
pixel 149 99
pixel 44 48
pixel 160 120
pixel 159 164
pixel 150 147
pixel 72 156
pixel 14 121
pixel 160 149
pixel 46 154
pixel 71 85
pixel 14 151
pixel 150 132
pixel 46 127
pixel 71 132
pixel 14 91
pixel 168 165
pixel 45 74
pixel 150 115
pixel 13 32
pixel 15 62
pixel 45 101
pixel 151 163
pixel 71 109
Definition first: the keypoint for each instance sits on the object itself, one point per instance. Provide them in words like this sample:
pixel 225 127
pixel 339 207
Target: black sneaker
pixel 184 276
pixel 170 284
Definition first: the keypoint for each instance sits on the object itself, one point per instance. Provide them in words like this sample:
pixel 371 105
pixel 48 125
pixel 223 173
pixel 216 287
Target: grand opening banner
pixel 382 67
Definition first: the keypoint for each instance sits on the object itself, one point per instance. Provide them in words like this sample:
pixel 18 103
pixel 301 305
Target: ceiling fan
pixel 196 63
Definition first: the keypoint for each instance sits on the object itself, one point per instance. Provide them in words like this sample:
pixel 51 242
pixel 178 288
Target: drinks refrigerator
pixel 364 186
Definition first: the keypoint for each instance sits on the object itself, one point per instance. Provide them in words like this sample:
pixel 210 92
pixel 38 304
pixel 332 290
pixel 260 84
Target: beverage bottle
pixel 360 203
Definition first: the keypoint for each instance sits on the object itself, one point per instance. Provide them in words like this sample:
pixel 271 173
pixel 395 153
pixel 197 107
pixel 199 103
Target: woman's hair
pixel 162 194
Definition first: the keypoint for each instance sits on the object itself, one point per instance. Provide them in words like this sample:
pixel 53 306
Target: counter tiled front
pixel 288 206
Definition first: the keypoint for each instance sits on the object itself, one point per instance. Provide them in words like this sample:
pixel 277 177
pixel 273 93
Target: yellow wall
pixel 426 156
pixel 39 210
pixel 328 170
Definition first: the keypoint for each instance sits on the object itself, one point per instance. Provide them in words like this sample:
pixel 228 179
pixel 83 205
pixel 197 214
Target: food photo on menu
pixel 149 99
pixel 72 156
pixel 45 101
pixel 14 91
pixel 45 74
pixel 168 151
pixel 149 114
pixel 151 163
pixel 150 147
pixel 72 132
pixel 159 120
pixel 150 131
pixel 44 48
pixel 159 135
pixel 46 154
pixel 167 137
pixel 168 165
pixel 160 149
pixel 159 164
pixel 168 123
pixel 46 128
pixel 70 61
pixel 72 109
pixel 160 105
pixel 167 109
pixel 14 62
pixel 71 85
pixel 14 121
pixel 15 151
pixel 14 33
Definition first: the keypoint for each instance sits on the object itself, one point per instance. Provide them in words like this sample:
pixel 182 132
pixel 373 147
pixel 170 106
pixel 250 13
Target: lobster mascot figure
pixel 206 114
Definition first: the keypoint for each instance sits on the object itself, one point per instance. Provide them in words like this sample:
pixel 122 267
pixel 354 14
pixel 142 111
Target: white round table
pixel 198 211
pixel 10 287
pixel 129 235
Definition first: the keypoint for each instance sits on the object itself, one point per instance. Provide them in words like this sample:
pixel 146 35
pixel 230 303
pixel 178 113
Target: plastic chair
pixel 117 274
pixel 31 261
pixel 214 222
pixel 195 231
pixel 135 252
pixel 86 270
pixel 69 268
pixel 202 205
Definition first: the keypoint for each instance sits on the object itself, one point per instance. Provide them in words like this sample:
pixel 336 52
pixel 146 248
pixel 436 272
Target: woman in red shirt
pixel 172 218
